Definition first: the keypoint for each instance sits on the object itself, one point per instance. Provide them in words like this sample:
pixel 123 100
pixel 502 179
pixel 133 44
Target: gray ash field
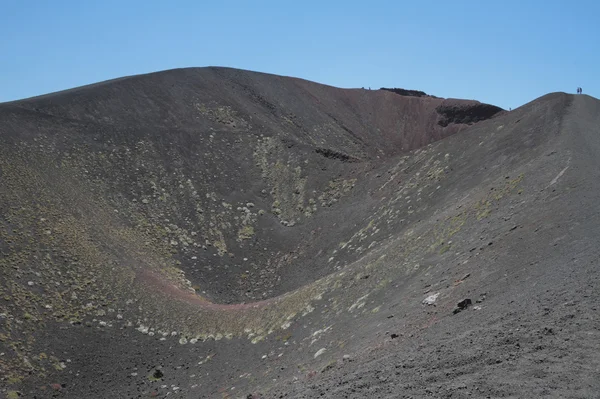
pixel 218 233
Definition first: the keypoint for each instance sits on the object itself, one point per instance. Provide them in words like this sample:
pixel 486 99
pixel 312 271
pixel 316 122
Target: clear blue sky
pixel 503 52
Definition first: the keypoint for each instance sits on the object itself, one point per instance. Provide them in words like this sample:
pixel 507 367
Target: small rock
pixel 548 331
pixel 320 352
pixel 430 300
pixel 462 305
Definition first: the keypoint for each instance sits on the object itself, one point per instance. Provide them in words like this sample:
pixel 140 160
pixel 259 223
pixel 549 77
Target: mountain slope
pixel 181 154
pixel 532 266
pixel 224 233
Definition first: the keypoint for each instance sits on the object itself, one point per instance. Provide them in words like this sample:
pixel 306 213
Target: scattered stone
pixel 430 300
pixel 482 298
pixel 462 305
pixel 320 352
pixel 158 374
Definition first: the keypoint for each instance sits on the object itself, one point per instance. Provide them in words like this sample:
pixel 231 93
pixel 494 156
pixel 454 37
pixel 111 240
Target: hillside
pixel 212 232
pixel 181 154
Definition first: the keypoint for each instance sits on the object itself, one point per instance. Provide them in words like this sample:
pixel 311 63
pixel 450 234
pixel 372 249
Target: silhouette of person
pixel 580 90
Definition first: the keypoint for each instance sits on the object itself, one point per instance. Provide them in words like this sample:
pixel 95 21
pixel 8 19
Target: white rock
pixel 319 352
pixel 430 300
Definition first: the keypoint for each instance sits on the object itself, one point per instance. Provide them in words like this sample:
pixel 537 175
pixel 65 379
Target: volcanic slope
pixel 222 233
pixel 191 160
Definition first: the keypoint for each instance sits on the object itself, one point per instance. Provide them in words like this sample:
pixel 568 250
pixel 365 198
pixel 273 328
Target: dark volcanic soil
pixel 221 233
pixel 197 157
